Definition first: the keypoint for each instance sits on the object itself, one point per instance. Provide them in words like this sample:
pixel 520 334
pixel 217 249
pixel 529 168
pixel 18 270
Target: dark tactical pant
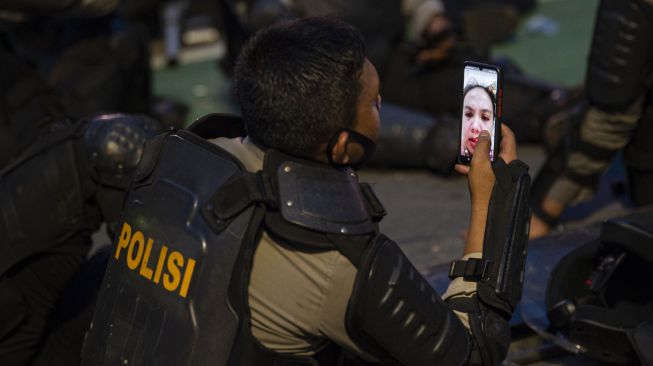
pixel 29 293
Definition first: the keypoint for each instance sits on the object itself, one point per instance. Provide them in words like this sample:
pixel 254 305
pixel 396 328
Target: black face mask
pixel 365 143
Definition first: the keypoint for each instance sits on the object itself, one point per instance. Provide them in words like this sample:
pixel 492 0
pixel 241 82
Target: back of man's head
pixel 298 83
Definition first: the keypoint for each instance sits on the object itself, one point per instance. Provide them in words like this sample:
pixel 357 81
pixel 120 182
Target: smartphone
pixel 481 108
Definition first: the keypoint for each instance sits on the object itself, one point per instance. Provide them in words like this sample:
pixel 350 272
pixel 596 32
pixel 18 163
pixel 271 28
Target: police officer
pixel 52 197
pixel 263 248
pixel 620 116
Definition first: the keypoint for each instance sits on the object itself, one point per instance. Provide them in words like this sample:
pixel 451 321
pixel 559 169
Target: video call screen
pixel 478 108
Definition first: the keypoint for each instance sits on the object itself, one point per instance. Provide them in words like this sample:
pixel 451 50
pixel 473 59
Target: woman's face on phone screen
pixel 478 115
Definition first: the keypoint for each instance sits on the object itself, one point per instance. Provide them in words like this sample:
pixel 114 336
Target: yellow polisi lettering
pixel 159 263
pixel 137 241
pixel 145 271
pixel 171 265
pixel 124 238
pixel 190 266
pixel 173 277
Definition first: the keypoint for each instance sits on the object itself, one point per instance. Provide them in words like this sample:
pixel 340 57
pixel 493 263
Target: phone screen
pixel 479 107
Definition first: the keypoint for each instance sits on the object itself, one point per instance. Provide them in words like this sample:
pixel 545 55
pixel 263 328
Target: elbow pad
pixel 395 315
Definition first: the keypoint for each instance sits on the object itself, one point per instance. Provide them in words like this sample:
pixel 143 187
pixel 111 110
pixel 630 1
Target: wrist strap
pixel 472 269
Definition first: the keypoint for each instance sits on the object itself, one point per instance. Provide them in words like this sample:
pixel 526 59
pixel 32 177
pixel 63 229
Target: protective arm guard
pixel 500 273
pixel 397 316
pixel 506 237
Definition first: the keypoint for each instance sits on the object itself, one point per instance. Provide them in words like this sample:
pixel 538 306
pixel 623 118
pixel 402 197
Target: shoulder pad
pixel 114 145
pixel 319 197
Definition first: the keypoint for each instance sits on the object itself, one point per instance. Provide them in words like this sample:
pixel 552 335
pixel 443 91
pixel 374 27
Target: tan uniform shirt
pixel 298 301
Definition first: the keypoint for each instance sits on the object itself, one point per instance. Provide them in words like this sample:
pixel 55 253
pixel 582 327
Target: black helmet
pixel 599 295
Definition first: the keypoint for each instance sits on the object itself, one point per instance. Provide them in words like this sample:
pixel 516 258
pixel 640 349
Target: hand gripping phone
pixel 481 108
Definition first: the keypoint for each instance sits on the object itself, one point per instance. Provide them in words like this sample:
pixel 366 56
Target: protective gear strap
pixel 472 269
pixel 550 220
pixel 506 237
pixel 240 192
pixel 374 206
pixel 592 151
pixel 247 350
pixel 397 316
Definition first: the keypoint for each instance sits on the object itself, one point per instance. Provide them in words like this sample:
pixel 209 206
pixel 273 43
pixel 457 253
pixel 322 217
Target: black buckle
pixel 470 270
pixel 374 205
pixel 238 193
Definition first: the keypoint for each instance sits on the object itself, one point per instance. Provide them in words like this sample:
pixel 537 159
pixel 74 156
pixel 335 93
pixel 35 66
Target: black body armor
pixel 54 189
pixel 44 196
pixel 176 288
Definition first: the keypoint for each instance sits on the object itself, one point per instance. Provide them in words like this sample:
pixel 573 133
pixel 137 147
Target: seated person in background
pixel 619 117
pixel 418 48
pixel 53 196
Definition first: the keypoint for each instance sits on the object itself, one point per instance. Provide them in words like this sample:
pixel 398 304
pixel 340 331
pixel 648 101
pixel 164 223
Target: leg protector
pixel 621 53
pixel 573 171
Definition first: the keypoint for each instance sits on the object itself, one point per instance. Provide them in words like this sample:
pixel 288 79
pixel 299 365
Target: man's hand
pixel 481 182
pixel 481 176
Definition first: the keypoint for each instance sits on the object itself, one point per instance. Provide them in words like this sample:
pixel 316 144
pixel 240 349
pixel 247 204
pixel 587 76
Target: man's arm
pixel 481 183
pixel 487 283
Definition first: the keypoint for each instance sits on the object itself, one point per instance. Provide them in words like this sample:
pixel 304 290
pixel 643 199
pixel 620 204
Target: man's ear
pixel 339 153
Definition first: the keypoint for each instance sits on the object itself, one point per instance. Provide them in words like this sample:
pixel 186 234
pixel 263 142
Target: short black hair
pixel 298 82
